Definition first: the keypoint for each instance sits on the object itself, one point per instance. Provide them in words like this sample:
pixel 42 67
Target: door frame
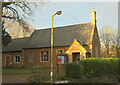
pixel 6 60
pixel 74 53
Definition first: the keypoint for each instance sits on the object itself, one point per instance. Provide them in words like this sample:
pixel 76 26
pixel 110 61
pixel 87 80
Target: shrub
pixel 60 77
pixel 73 70
pixel 98 67
pixel 93 67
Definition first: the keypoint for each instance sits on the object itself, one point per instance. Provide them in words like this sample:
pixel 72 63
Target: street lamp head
pixel 58 12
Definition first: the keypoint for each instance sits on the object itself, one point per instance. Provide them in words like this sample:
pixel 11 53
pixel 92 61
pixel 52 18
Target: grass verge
pixel 15 71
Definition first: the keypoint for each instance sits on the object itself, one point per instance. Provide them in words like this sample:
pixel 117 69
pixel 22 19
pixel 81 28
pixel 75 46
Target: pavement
pixel 22 78
pixel 14 78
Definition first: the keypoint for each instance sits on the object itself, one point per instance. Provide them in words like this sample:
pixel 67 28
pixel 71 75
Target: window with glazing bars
pixel 17 59
pixel 44 55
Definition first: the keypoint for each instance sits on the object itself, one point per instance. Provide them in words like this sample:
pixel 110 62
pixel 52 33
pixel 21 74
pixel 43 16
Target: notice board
pixel 62 59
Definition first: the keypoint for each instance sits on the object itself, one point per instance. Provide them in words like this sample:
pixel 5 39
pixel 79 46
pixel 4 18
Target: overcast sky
pixel 74 13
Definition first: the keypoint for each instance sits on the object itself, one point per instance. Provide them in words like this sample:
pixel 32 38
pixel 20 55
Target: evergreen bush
pixel 93 67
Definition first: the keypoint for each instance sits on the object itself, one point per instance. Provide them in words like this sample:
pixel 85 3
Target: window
pixel 31 56
pixel 17 59
pixel 44 55
pixel 59 51
pixel 88 55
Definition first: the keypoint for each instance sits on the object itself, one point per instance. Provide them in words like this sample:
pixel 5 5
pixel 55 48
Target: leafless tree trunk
pixel 117 45
pixel 116 37
pixel 106 38
pixel 12 17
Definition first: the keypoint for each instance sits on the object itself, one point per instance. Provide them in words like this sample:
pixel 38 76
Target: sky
pixel 74 13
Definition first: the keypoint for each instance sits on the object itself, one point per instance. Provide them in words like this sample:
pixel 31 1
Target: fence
pixel 41 74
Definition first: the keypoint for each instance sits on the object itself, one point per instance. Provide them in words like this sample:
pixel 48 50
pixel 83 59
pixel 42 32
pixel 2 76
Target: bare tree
pixel 15 11
pixel 106 36
pixel 116 38
pixel 17 31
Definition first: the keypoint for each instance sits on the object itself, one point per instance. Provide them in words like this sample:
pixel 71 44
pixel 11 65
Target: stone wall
pixel 12 61
pixel 96 44
pixel 37 56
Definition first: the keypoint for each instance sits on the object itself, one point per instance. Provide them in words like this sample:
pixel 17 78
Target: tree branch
pixel 8 17
pixel 14 11
pixel 5 4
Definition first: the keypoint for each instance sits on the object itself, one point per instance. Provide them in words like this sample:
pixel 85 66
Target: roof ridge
pixel 63 26
pixel 20 38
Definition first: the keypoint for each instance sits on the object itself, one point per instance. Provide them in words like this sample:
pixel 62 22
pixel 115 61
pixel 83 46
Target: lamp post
pixel 58 13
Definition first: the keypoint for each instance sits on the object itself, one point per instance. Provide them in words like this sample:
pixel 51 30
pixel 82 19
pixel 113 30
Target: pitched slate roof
pixel 16 45
pixel 63 36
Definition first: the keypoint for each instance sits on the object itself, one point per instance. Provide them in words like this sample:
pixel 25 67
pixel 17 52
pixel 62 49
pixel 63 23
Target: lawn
pixel 15 70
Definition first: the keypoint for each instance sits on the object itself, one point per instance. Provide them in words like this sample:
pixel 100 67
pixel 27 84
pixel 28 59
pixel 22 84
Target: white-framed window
pixel 44 55
pixel 60 51
pixel 17 59
pixel 31 56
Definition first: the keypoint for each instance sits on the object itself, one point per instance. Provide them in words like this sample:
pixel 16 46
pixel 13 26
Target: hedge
pixel 73 70
pixel 93 67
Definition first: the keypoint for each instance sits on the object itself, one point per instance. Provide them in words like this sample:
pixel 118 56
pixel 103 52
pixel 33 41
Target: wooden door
pixel 75 57
pixel 7 61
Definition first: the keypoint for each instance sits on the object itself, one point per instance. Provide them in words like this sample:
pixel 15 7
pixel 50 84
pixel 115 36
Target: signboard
pixel 62 59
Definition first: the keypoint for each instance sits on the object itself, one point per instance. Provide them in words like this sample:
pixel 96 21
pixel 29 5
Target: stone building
pixel 74 42
pixel 12 55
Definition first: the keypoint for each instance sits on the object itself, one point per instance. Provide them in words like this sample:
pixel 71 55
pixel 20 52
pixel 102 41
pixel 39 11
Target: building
pixel 12 55
pixel 74 42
